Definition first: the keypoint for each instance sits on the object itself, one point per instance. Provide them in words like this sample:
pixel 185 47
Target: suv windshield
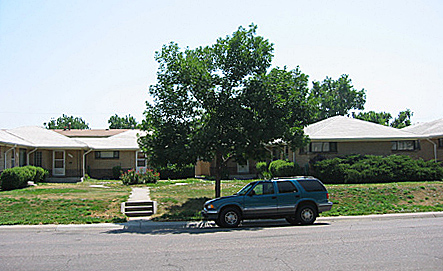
pixel 245 189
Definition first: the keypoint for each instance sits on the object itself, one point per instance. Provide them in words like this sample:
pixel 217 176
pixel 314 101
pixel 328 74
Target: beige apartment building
pixel 71 153
pixel 341 136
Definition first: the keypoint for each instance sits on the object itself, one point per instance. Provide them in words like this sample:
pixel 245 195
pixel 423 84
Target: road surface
pixel 361 244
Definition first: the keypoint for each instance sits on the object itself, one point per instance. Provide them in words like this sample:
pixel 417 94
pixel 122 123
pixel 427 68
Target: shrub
pixel 116 172
pixel 14 178
pixel 281 168
pixel 177 172
pixel 131 177
pixel 18 177
pixel 376 169
pixel 262 169
pixel 39 173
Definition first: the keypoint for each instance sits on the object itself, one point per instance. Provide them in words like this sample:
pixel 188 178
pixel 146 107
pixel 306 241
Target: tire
pixel 306 215
pixel 229 218
pixel 292 220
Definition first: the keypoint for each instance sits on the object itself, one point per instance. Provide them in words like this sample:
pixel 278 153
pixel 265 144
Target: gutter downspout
pixel 84 162
pixel 29 153
pixel 435 148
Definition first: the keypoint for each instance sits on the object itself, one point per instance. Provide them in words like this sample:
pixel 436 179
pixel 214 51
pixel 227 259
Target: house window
pixel 323 147
pixel 407 145
pixel 440 142
pixel 38 159
pixel 107 154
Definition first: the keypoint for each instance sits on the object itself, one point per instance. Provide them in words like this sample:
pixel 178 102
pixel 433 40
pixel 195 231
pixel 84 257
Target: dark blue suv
pixel 299 200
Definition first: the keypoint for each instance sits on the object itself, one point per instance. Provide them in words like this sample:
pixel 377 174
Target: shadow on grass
pixel 190 210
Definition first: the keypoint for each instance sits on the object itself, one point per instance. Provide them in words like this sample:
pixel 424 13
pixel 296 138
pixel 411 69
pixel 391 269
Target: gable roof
pixel 127 140
pixel 39 137
pixel 10 139
pixel 340 128
pixel 93 133
pixel 430 129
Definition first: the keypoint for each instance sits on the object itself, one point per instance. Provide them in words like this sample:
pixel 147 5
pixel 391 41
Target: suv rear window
pixel 286 187
pixel 312 185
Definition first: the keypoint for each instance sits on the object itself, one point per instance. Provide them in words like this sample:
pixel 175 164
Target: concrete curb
pixel 146 224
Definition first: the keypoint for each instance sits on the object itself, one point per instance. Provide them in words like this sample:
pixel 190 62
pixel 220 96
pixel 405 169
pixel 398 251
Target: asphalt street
pixel 359 243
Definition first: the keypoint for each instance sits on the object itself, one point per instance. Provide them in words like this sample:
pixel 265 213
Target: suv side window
pixel 263 189
pixel 312 185
pixel 286 187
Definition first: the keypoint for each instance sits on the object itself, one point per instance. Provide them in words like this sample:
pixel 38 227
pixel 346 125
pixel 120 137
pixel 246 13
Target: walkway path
pixel 139 194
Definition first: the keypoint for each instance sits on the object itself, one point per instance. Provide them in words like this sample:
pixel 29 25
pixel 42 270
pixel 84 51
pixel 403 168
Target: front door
pixel 140 162
pixel 58 165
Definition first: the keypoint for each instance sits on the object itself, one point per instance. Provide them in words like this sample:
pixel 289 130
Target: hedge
pixel 177 172
pixel 18 177
pixel 376 169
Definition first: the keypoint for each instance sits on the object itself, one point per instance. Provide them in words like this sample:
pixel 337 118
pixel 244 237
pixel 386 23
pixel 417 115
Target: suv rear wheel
pixel 306 214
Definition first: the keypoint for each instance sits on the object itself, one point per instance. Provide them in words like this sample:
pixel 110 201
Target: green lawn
pixel 64 204
pixel 182 200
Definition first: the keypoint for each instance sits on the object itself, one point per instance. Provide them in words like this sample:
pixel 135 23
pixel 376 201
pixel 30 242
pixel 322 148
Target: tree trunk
pixel 218 174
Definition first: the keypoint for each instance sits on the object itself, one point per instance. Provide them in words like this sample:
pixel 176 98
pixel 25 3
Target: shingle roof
pixel 430 129
pixel 8 138
pixel 40 137
pixel 90 132
pixel 342 128
pixel 126 140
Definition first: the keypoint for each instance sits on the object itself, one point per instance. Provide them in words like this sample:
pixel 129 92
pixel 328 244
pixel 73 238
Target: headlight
pixel 210 206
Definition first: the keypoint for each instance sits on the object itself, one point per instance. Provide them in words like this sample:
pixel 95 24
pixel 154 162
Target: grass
pixel 183 200
pixel 64 204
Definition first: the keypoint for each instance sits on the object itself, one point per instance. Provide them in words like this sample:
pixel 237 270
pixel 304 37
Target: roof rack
pixel 294 177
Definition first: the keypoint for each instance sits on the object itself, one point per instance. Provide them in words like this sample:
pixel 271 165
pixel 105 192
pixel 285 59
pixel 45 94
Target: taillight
pixel 327 195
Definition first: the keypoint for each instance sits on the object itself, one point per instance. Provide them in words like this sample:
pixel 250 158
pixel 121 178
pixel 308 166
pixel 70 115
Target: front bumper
pixel 209 214
pixel 324 207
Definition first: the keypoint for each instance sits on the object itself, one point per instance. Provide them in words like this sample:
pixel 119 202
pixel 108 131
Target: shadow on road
pixel 203 227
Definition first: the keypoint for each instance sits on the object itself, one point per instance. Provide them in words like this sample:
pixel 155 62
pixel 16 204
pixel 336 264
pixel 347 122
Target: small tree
pixel 127 122
pixel 65 122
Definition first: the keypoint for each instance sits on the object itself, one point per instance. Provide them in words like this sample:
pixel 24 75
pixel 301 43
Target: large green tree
pixel 219 102
pixel 335 97
pixel 126 122
pixel 66 122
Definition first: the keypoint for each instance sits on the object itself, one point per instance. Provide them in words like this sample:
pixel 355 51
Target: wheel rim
pixel 307 214
pixel 231 218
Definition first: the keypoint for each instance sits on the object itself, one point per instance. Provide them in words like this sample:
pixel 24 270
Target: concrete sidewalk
pixel 145 225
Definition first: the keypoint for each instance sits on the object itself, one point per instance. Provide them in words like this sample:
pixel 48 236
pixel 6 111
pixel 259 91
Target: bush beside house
pixel 376 169
pixel 18 177
pixel 278 168
pixel 131 177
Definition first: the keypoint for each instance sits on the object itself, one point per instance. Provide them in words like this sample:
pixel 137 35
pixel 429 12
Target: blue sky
pixel 94 59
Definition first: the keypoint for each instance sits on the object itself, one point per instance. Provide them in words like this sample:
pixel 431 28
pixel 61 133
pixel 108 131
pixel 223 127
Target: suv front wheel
pixel 229 218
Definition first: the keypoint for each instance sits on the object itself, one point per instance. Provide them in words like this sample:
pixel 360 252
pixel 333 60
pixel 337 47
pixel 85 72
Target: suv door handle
pixel 274 197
